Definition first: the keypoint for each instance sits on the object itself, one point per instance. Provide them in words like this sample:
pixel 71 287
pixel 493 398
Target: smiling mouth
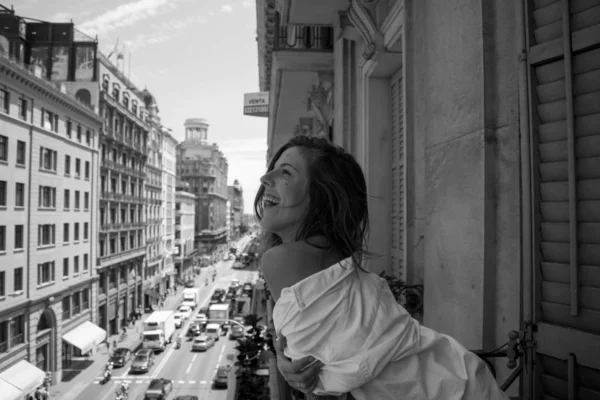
pixel 269 201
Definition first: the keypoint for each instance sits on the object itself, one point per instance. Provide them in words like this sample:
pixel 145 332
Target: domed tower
pixel 196 130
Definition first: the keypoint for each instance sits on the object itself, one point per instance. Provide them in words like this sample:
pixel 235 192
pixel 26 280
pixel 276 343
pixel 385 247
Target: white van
pixel 214 330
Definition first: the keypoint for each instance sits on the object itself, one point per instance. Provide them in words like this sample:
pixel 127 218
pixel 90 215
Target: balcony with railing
pixel 304 38
pixel 122 256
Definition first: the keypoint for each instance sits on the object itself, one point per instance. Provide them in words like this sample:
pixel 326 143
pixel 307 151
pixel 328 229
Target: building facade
pixel 474 125
pixel 169 146
pixel 48 207
pixel 154 205
pixel 235 194
pixel 185 233
pixel 204 167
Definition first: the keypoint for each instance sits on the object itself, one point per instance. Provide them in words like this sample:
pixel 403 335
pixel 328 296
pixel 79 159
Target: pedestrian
pixel 107 347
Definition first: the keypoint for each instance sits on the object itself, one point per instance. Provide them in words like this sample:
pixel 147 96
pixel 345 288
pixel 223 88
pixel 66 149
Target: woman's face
pixel 285 198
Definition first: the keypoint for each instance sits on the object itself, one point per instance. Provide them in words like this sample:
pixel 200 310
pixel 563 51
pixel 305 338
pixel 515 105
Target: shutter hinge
pixel 523 56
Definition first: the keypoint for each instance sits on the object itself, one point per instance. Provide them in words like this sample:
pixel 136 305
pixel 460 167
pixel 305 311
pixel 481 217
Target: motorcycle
pixel 107 373
pixel 206 282
pixel 178 342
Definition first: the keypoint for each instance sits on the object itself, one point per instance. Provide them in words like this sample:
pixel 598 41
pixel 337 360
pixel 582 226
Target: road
pixel 191 372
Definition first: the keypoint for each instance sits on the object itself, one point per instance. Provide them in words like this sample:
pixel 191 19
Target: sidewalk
pixel 71 388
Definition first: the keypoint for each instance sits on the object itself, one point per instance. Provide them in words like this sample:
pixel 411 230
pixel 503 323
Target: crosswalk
pixel 146 380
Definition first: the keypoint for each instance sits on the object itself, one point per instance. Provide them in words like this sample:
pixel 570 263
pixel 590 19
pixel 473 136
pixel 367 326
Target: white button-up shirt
pixel 371 346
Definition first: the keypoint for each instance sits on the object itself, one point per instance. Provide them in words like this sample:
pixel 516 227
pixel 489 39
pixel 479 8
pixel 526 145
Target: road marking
pixel 187 371
pixel 220 356
pixel 222 349
pixel 194 358
pixel 163 362
pixel 191 382
pixel 181 382
pixel 203 382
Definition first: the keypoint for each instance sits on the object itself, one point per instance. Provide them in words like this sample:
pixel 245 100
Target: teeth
pixel 270 199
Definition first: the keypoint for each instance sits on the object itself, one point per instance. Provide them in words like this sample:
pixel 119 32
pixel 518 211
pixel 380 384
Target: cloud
pixel 61 17
pixel 226 8
pixel 125 15
pixel 164 31
pixel 247 3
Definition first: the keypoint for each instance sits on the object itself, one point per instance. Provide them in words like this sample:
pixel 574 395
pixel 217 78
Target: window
pixel 49 120
pixel 87 170
pixel 123 243
pixel 86 262
pixel 66 307
pixel 19 236
pixel 45 273
pixel 65 267
pixel 47 198
pixel 76 303
pixel 86 228
pixel 2 284
pixel 77 168
pixel 86 201
pixel 85 299
pixel 17 330
pixel 3 148
pixel 66 232
pixel 23 109
pixel 88 137
pixel 75 265
pixel 131 241
pixel 79 133
pixel 67 165
pixel 46 234
pixel 21 157
pixel 3 194
pixel 4 100
pixel 77 200
pixel 69 128
pixel 67 201
pixel 2 238
pixel 20 194
pixel 48 159
pixel 18 279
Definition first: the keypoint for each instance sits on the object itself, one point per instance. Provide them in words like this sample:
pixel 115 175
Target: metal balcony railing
pixel 304 37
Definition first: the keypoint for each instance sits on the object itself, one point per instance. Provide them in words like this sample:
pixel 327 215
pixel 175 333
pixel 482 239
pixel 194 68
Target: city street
pixel 191 372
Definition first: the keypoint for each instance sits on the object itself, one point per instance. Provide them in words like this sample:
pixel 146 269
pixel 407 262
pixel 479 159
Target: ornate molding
pixel 320 102
pixel 362 14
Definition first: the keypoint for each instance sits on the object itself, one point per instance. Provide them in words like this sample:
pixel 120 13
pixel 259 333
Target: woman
pixel 312 206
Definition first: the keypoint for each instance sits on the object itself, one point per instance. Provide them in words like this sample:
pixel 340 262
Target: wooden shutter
pixel 397 255
pixel 565 84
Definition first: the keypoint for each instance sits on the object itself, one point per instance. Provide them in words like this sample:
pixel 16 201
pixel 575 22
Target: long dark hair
pixel 337 191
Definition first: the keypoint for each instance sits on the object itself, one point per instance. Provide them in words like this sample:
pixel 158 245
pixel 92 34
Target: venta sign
pixel 256 104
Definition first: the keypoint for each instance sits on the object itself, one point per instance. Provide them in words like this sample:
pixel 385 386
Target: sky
pixel 197 57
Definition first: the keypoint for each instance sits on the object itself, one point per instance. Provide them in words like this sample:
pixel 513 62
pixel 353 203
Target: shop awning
pixel 85 336
pixel 152 293
pixel 20 380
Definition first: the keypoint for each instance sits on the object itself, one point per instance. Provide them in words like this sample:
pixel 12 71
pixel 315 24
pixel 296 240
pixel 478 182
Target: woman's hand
pixel 302 374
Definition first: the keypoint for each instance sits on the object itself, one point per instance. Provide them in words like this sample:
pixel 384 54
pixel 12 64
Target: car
pixel 229 296
pixel 236 332
pixel 185 312
pixel 186 397
pixel 235 282
pixel 203 310
pixel 238 265
pixel 201 318
pixel 195 329
pixel 203 343
pixel 220 379
pixel 120 356
pixel 178 320
pixel 158 389
pixel 143 361
pixel 189 283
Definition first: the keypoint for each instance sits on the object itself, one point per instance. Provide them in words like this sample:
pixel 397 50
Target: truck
pixel 214 330
pixel 218 313
pixel 158 330
pixel 191 297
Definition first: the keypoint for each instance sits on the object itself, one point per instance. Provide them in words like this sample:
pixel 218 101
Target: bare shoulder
pixel 285 265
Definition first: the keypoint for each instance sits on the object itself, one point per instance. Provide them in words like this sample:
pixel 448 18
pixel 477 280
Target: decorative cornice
pixel 362 15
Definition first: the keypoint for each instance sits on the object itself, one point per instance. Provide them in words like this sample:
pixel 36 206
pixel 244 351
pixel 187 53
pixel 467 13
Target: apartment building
pixel 169 181
pixel 185 206
pixel 48 212
pixel 123 153
pixel 476 125
pixel 235 194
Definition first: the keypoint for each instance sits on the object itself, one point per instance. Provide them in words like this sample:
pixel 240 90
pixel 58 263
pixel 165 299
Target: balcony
pixel 310 11
pixel 124 111
pixel 122 256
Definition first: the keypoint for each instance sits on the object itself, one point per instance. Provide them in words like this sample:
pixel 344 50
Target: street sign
pixel 256 104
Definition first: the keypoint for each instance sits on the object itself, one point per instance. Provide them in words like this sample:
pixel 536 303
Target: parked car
pixel 120 356
pixel 178 320
pixel 185 312
pixel 220 379
pixel 203 343
pixel 159 389
pixel 236 332
pixel 143 361
pixel 186 397
pixel 190 283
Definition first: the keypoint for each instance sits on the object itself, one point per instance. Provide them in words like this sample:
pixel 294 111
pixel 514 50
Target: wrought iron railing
pixel 304 37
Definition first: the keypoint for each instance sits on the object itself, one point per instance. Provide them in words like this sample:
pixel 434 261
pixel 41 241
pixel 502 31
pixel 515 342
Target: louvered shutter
pixel 565 83
pixel 397 256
